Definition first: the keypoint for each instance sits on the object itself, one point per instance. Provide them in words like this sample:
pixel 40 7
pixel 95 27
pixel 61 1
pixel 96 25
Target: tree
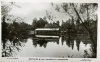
pixel 40 23
pixel 80 12
pixel 34 23
pixel 5 8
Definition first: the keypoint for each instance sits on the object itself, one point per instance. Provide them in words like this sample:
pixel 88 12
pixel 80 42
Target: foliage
pixel 39 23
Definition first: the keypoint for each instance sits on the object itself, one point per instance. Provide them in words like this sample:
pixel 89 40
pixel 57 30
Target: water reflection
pixel 41 42
pixel 76 46
pixel 12 45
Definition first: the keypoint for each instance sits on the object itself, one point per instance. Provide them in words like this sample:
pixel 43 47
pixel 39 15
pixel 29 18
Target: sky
pixel 29 11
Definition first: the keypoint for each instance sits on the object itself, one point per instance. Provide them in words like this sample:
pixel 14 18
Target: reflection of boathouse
pixel 47 31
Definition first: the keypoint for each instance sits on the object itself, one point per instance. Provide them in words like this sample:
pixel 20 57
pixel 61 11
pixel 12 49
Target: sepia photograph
pixel 49 29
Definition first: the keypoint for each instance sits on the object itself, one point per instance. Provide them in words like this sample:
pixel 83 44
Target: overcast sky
pixel 29 11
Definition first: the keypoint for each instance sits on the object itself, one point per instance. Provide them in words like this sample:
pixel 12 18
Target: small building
pixel 47 31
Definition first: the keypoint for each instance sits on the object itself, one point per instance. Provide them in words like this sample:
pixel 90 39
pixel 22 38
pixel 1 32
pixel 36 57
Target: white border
pixel 26 59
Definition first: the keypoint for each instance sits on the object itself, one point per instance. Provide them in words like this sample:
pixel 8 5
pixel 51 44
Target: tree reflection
pixel 72 44
pixel 42 42
pixel 86 54
pixel 78 44
pixel 12 45
pixel 69 39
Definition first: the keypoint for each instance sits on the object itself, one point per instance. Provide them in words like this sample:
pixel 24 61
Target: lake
pixel 77 46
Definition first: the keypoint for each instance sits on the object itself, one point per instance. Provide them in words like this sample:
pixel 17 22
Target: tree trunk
pixel 89 31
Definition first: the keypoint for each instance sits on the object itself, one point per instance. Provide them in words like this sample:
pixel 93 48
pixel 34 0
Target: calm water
pixel 77 46
pixel 55 46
